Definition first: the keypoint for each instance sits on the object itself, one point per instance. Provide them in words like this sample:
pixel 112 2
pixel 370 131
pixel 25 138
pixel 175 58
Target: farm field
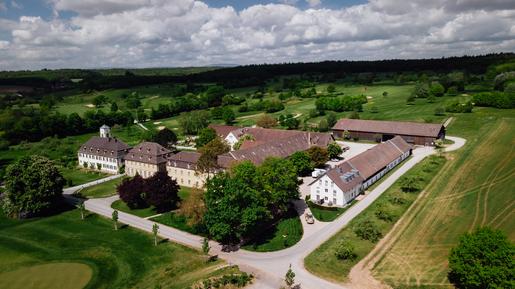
pixel 475 188
pixel 94 253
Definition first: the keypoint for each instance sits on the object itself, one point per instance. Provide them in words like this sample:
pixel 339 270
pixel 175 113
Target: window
pixel 326 190
pixel 334 201
pixel 326 183
pixel 320 182
pixel 334 193
pixel 318 197
pixel 325 198
pixel 332 183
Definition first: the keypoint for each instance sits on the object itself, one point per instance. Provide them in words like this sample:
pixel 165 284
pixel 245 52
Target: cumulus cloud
pixel 138 33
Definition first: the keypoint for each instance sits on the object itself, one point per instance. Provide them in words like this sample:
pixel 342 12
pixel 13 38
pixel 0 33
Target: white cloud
pixel 314 3
pixel 16 5
pixel 186 32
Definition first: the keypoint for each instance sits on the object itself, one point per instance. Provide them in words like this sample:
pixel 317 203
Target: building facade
pixel 375 130
pixel 341 184
pixel 103 153
pixel 146 159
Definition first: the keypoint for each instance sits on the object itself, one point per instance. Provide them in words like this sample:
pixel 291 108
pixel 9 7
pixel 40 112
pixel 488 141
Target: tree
pixel 319 156
pixel 323 126
pixel 289 278
pixel 194 207
pixel 205 135
pixel 331 88
pixel 114 107
pixel 161 191
pixel 409 184
pixel 193 122
pixel 266 121
pixel 114 216
pixel 99 100
pixel 278 179
pixel 132 192
pixel 289 121
pixel 205 246
pixel 334 150
pixel 166 138
pixel 332 119
pixel 483 259
pixel 208 160
pixel 302 162
pixel 155 230
pixel 368 230
pixel 385 93
pixel 437 89
pixel 228 115
pixel 420 91
pixel 81 208
pixel 345 251
pixel 33 185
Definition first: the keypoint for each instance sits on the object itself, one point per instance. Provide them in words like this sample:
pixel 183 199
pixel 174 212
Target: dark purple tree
pixel 162 191
pixel 132 192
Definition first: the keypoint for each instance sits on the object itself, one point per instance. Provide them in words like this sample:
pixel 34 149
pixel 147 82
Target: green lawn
pixel 121 206
pixel 125 258
pixel 180 222
pixel 327 214
pixel 105 189
pixel 71 276
pixel 323 262
pixel 81 176
pixel 286 233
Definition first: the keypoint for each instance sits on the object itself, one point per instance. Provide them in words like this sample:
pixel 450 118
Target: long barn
pixel 379 130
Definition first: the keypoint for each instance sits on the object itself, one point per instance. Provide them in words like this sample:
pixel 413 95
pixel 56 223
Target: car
pixel 309 218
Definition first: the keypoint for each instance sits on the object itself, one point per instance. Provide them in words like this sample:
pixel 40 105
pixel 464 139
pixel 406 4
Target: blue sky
pixel 38 34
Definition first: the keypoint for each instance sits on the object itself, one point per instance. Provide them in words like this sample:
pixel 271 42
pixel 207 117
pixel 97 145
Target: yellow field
pixel 475 188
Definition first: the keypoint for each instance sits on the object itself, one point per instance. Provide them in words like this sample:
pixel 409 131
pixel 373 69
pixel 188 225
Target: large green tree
pixel 208 160
pixel 484 258
pixel 33 185
pixel 205 135
pixel 302 162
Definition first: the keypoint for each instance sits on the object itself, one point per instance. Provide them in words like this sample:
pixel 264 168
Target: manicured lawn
pixel 80 176
pixel 105 189
pixel 145 212
pixel 71 276
pixel 327 214
pixel 180 222
pixel 474 189
pixel 323 262
pixel 125 258
pixel 286 233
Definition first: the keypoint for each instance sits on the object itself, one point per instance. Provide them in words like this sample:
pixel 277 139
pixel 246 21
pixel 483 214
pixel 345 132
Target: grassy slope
pixel 284 234
pixel 326 214
pixel 119 259
pixel 474 189
pixel 102 190
pixel 323 261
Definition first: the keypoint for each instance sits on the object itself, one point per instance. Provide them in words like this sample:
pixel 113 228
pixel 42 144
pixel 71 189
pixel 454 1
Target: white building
pixel 341 184
pixel 103 153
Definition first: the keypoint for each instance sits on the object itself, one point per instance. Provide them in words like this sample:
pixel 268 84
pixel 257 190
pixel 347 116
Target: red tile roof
pixel 223 130
pixel 389 127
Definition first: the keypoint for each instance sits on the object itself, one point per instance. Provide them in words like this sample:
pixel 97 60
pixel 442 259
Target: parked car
pixel 309 218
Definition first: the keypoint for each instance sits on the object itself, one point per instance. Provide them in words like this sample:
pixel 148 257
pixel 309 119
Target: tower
pixel 105 131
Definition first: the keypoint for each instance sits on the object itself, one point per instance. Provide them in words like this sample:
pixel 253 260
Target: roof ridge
pixel 395 145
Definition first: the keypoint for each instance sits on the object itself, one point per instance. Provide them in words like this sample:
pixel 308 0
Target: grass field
pixel 125 258
pixel 286 233
pixel 105 189
pixel 121 206
pixel 475 188
pixel 323 262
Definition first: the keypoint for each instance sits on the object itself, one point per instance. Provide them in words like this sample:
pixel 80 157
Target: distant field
pixel 475 188
pixel 126 258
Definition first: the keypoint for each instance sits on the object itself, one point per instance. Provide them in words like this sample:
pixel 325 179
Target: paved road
pixel 271 267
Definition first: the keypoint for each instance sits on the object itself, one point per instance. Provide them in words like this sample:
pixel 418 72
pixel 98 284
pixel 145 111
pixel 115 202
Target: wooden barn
pixel 378 130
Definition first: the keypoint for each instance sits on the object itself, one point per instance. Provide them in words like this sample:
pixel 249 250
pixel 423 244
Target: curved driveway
pixel 270 267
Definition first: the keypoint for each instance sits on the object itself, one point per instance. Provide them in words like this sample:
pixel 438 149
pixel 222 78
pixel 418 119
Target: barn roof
pixel 104 146
pixel 390 127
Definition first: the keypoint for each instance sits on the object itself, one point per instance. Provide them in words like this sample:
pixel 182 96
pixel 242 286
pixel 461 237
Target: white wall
pixel 231 140
pixel 109 165
pixel 324 188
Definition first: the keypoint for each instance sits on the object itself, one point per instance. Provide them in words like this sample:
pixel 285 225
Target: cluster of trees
pixel 33 186
pixel 159 191
pixel 495 99
pixel 342 103
pixel 269 106
pixel 241 202
pixel 193 122
pixel 31 124
pixel 165 137
pixel 289 121
pixel 458 107
pixel 223 112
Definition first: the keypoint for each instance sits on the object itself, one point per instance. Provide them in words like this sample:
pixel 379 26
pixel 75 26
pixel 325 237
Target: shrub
pixel 397 200
pixel 437 89
pixel 409 184
pixel 439 111
pixel 368 230
pixel 383 214
pixel 345 251
pixel 459 107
